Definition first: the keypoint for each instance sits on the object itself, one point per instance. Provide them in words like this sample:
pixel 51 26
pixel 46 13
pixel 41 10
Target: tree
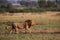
pixel 5 6
pixel 51 4
pixel 42 3
pixel 10 7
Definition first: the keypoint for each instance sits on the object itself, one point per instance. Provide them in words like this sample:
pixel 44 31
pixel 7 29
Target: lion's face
pixel 30 22
pixel 33 22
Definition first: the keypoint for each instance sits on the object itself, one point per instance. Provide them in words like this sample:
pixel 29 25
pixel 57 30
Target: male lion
pixel 26 25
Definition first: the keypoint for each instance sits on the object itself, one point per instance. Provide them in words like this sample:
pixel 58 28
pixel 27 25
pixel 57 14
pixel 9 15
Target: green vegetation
pixel 43 6
pixel 5 6
pixel 39 9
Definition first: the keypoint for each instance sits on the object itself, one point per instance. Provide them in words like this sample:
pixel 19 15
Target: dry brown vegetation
pixel 48 15
pixel 47 22
pixel 40 18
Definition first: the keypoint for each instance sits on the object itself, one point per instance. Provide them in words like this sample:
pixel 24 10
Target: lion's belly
pixel 20 25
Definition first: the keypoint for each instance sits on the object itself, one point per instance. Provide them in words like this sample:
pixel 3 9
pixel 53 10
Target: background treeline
pixel 43 6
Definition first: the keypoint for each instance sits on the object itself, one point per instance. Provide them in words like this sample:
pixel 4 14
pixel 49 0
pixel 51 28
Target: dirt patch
pixel 43 31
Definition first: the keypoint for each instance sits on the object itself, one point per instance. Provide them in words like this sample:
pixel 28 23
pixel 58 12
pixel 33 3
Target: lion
pixel 22 25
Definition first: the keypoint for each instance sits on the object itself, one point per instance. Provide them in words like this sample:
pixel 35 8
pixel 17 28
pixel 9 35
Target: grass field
pixel 47 21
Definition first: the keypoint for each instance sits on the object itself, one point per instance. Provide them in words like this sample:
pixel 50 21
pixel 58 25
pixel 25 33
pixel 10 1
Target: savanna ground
pixel 47 24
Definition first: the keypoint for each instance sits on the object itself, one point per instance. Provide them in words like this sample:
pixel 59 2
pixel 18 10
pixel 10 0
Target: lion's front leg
pixel 28 29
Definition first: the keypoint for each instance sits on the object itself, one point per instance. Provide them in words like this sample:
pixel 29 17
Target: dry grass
pixel 47 21
pixel 19 16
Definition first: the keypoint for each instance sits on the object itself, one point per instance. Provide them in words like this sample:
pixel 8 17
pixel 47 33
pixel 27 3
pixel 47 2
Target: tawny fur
pixel 23 25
